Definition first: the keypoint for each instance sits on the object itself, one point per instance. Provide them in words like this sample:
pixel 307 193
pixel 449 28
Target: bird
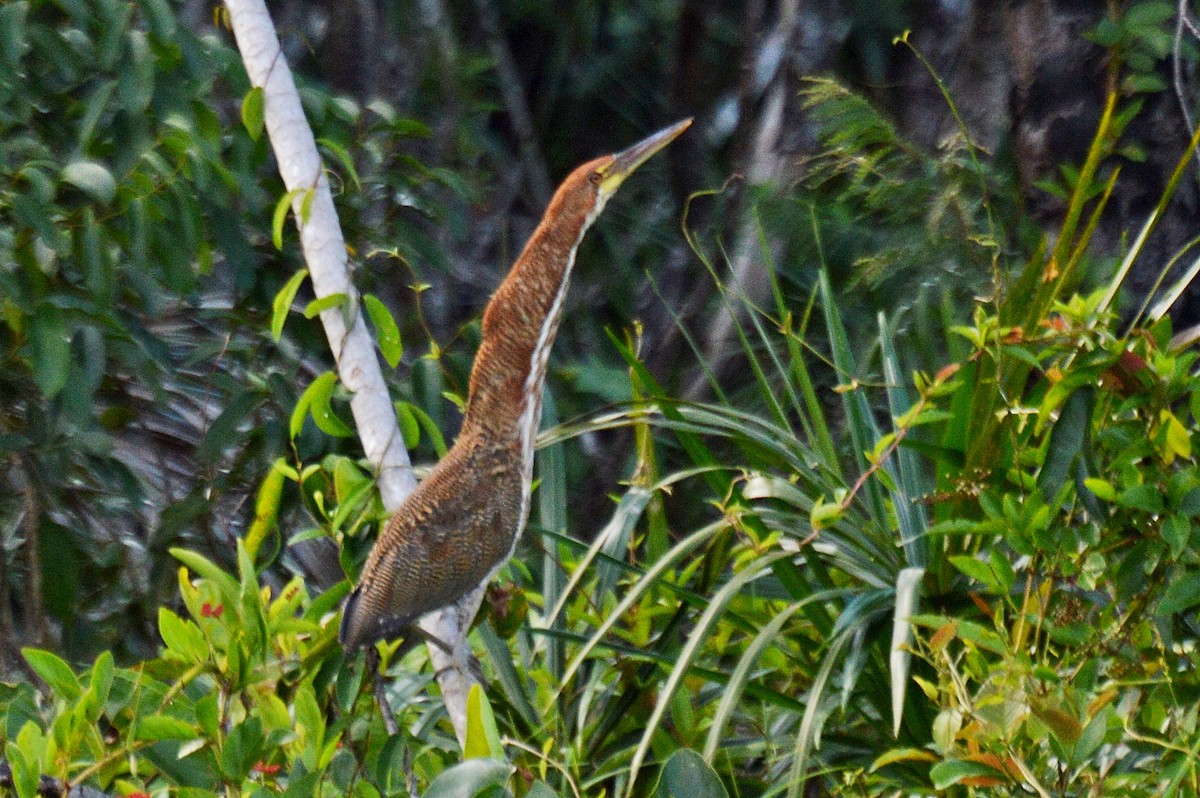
pixel 461 523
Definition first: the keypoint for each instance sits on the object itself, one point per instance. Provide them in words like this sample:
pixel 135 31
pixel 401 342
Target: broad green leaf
pixel 135 82
pixel 1102 488
pixel 283 302
pixel 306 204
pixel 209 570
pixel 153 728
pixel 95 106
pixel 322 304
pixel 687 775
pixel 161 18
pixel 25 770
pixel 252 111
pixel 1147 498
pixel 102 678
pixel 1178 441
pixel 386 332
pixel 431 429
pixel 902 755
pixel 316 400
pixel 13 39
pixel 182 637
pixel 953 771
pixel 977 570
pixel 55 672
pixel 92 179
pixel 1068 438
pixel 1062 724
pixel 242 748
pixel 50 350
pixel 483 738
pixel 1182 593
pixel 468 779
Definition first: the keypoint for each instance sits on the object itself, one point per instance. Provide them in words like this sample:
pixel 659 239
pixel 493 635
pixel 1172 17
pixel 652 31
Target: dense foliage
pixel 944 548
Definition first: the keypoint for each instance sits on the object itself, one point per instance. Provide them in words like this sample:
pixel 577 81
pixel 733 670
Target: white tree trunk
pixel 353 349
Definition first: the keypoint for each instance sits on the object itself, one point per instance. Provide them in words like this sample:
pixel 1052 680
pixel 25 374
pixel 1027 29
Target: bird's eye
pixel 594 178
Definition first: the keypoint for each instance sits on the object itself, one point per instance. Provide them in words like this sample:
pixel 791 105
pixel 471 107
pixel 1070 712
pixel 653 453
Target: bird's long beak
pixel 625 162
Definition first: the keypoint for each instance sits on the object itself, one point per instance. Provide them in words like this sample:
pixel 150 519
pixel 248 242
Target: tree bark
pixel 353 349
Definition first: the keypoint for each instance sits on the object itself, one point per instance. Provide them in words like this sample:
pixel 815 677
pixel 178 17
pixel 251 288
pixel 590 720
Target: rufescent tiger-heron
pixel 462 522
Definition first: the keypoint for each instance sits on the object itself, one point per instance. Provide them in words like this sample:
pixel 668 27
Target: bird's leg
pixel 415 634
pixel 380 689
pixel 389 719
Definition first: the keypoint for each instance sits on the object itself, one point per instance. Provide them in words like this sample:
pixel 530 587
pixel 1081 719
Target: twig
pixel 31 510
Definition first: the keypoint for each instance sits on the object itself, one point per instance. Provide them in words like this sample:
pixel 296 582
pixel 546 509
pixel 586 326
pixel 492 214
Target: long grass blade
pixel 908 587
pixel 552 511
pixel 741 673
pixel 647 581
pixel 697 637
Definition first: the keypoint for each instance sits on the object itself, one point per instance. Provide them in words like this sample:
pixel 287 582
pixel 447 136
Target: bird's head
pixel 594 183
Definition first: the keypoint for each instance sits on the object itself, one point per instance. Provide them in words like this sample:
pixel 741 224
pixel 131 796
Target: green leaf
pixel 92 179
pixel 1102 488
pixel 687 775
pixel 322 304
pixel 135 83
pixel 252 112
pixel 102 678
pixel 1181 594
pixel 160 17
pixel 209 570
pixel 243 747
pixel 280 215
pixel 306 205
pixel 153 728
pixel 1176 530
pixel 49 350
pixel 283 302
pixel 977 570
pixel 483 738
pixel 343 158
pixel 316 400
pixel 1065 727
pixel 386 331
pixel 410 430
pixel 431 429
pixel 55 672
pixel 182 638
pixel 13 39
pixel 468 779
pixel 1147 498
pixel 1067 440
pixel 266 508
pixel 25 773
pixel 952 771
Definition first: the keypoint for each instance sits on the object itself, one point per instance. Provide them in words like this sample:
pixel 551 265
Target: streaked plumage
pixel 462 522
